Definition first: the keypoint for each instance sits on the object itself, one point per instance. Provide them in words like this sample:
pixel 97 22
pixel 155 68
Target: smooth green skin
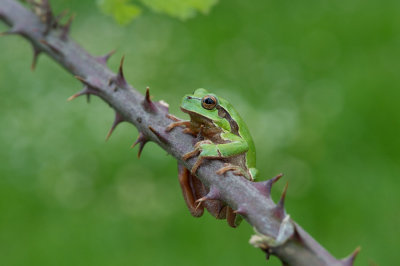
pixel 238 144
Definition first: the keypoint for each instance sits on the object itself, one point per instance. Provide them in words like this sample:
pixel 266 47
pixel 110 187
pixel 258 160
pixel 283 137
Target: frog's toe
pixel 173 118
pixel 230 167
pixel 197 165
pixel 177 124
pixel 202 142
pixel 190 154
pixel 190 132
pixel 200 201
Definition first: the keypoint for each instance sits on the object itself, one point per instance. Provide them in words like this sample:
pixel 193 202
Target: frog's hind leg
pixel 189 188
pixel 231 217
pixel 237 170
pixel 216 208
pixel 193 191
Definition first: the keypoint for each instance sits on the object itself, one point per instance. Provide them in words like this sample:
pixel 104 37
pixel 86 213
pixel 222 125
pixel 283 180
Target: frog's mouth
pixel 186 111
pixel 198 118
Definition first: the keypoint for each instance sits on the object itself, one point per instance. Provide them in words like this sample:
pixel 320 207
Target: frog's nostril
pixel 188 97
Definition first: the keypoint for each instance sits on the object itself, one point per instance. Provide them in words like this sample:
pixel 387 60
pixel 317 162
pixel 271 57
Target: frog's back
pixel 243 132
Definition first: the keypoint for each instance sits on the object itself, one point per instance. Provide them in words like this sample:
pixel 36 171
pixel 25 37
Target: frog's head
pixel 204 104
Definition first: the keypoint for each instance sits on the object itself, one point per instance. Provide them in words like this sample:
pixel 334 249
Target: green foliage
pixel 182 9
pixel 124 11
pixel 121 10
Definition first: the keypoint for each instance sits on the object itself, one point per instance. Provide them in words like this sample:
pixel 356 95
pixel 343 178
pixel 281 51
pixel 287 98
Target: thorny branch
pixel 276 233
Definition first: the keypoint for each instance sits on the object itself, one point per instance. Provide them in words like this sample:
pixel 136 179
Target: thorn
pixel 159 135
pixel 281 202
pixel 117 120
pixel 141 140
pixel 93 83
pixel 147 98
pixel 120 80
pixel 66 28
pixel 76 95
pixel 85 91
pixel 60 16
pixel 36 53
pixel 280 206
pixel 44 12
pixel 103 59
pixel 350 259
pixel 52 47
pixel 241 211
pixel 46 6
pixel 83 80
pixel 147 104
pixel 213 194
pixel 265 186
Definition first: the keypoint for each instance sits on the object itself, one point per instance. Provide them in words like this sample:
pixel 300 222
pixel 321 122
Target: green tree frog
pixel 221 134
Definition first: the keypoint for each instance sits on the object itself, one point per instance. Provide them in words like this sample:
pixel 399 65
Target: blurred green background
pixel 316 81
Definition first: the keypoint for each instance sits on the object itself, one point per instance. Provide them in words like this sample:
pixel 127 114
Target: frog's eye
pixel 209 102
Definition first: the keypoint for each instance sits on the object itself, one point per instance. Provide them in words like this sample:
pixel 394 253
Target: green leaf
pixel 182 9
pixel 121 10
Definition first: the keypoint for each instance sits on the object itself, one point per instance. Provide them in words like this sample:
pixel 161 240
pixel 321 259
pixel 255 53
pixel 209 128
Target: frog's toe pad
pixel 230 167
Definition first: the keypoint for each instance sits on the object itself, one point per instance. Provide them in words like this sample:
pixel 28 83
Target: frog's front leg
pixel 209 150
pixel 206 149
pixel 178 122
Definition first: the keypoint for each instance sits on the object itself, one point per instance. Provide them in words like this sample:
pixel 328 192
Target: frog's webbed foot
pixel 179 122
pixel 237 170
pixel 197 150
